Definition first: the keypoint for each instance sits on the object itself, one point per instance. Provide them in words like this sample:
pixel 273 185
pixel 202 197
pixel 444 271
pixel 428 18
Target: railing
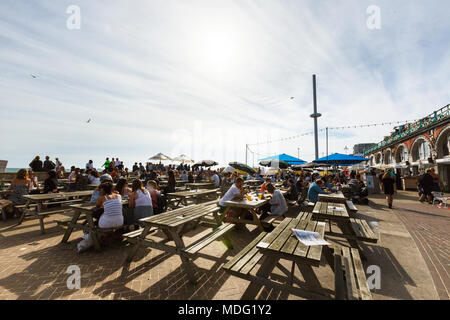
pixel 411 128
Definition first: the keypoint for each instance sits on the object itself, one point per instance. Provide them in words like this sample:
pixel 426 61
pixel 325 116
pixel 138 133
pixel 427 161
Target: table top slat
pixel 270 237
pixel 301 250
pixel 292 242
pixel 279 242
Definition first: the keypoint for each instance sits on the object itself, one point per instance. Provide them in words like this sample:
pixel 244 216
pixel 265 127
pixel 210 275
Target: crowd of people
pixel 147 195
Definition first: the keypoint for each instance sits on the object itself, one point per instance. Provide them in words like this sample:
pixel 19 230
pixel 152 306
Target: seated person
pixel 94 177
pixel 20 186
pixel 157 200
pixel 51 183
pixel 96 194
pixel 141 201
pixel 314 190
pixel 263 186
pixel 111 203
pixel 184 176
pixel 236 192
pixel 278 205
pixel 292 193
pixel 122 188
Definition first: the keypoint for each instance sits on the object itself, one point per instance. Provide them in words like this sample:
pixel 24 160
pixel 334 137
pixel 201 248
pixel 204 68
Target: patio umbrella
pixel 229 169
pixel 286 158
pixel 274 164
pixel 338 159
pixel 183 159
pixel 206 163
pixel 160 157
pixel 242 167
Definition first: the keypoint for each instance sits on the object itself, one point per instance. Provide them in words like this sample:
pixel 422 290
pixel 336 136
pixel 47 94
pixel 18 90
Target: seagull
pixel 89 120
pixel 33 76
pixel 292 98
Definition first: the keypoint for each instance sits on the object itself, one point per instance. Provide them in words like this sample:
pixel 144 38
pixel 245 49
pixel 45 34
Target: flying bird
pixel 292 98
pixel 89 120
pixel 33 76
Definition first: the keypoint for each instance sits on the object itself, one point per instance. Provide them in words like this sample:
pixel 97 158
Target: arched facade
pixel 401 154
pixel 387 157
pixel 421 149
pixel 443 143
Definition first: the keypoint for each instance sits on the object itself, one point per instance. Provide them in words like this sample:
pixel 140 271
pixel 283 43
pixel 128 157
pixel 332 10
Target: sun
pixel 215 51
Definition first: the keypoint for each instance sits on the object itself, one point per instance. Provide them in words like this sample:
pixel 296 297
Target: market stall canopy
pixel 340 159
pixel 206 163
pixel 183 159
pixel 274 164
pixel 286 158
pixel 160 156
pixel 242 167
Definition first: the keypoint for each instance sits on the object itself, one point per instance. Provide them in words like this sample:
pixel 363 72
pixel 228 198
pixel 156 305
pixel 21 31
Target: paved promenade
pixel 412 254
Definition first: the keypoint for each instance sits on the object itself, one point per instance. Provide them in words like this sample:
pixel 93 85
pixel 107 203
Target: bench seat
pixel 215 234
pixel 246 259
pixel 351 207
pixel 363 231
pixel 350 278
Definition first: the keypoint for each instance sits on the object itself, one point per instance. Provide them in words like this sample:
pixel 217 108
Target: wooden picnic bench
pixel 174 225
pixel 352 229
pixel 85 211
pixel 41 205
pixel 268 248
pixel 3 205
pixel 350 278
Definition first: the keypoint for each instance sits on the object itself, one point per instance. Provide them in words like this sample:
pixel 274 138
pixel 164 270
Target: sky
pixel 206 77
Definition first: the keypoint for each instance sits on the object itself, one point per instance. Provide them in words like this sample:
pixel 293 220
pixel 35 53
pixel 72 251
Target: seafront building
pixel 414 147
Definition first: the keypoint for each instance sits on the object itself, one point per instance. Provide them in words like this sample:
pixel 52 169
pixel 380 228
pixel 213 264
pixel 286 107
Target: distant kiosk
pixel 3 164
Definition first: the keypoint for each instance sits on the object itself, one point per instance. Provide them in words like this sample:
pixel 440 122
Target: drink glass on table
pixel 249 197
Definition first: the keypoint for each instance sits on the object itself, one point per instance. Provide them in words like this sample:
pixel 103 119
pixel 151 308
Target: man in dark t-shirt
pixel 426 183
pixel 36 164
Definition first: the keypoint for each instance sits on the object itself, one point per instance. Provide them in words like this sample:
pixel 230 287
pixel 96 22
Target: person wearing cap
pixel 96 194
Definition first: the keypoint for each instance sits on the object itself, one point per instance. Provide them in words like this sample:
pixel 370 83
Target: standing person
pixel 389 186
pixel 106 164
pixel 58 164
pixel 426 183
pixel 171 183
pixel 436 180
pixel 20 186
pixel 141 167
pixel 184 176
pixel 36 164
pixel 111 202
pixel 141 201
pixel 48 164
pixel 117 163
pixel 135 167
pixel 90 165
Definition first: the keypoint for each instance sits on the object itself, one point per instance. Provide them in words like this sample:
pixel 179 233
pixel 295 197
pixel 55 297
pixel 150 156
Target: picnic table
pixel 352 229
pixel 197 195
pixel 85 211
pixel 337 197
pixel 249 206
pixel 200 185
pixel 269 248
pixel 42 204
pixel 174 225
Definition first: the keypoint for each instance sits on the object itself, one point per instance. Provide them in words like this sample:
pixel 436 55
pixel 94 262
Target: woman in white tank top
pixel 112 216
pixel 141 201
